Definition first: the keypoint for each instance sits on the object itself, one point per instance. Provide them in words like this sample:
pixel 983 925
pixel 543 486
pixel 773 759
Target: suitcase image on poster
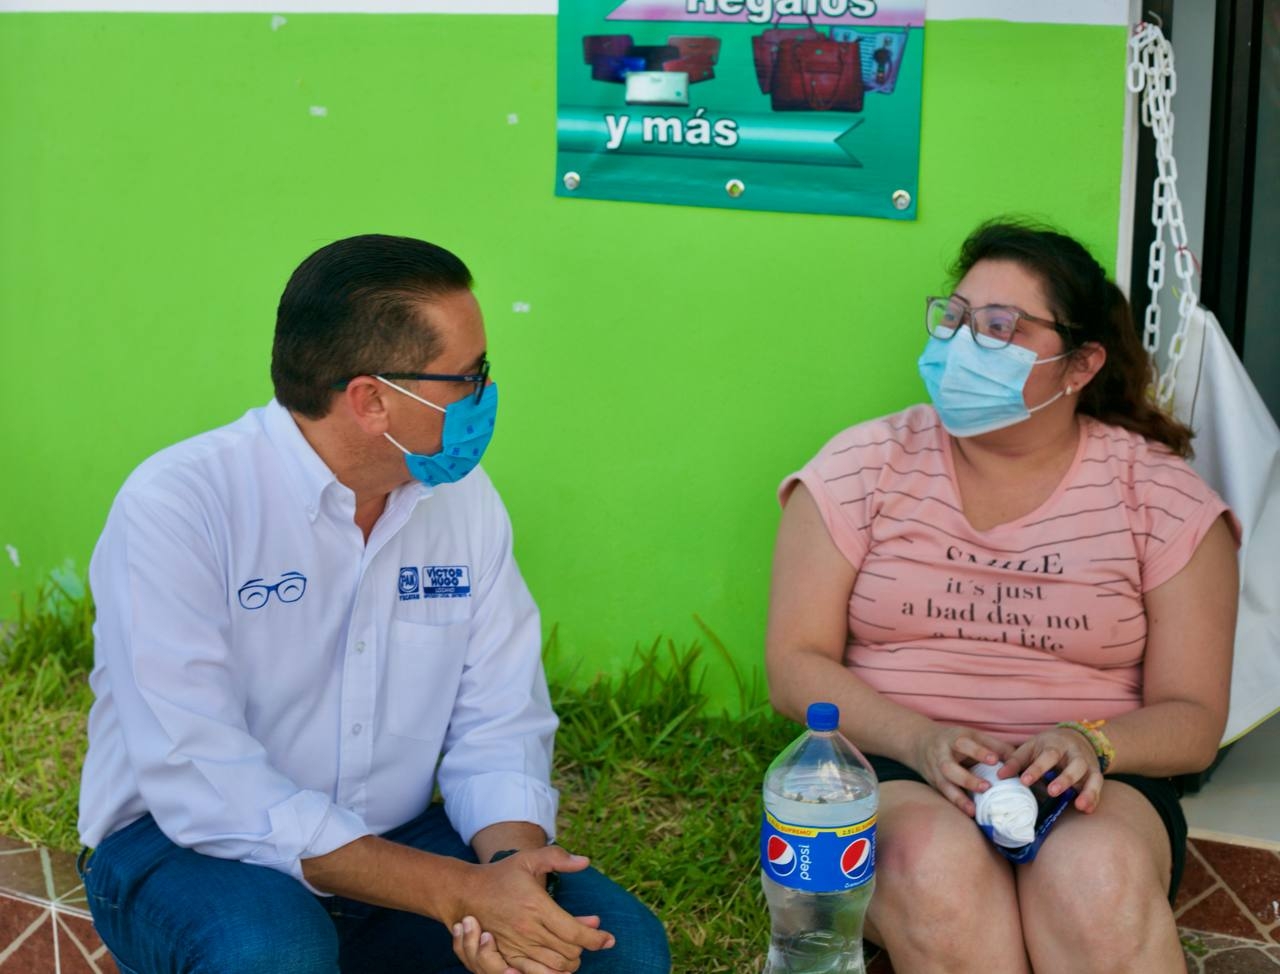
pixel 817 76
pixel 764 50
pixel 698 69
pixel 595 46
pixel 658 88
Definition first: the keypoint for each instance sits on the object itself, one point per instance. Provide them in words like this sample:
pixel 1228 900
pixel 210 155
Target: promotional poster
pixel 808 106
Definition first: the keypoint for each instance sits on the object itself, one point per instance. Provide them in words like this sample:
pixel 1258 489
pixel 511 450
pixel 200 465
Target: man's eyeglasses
pixel 992 325
pixel 478 379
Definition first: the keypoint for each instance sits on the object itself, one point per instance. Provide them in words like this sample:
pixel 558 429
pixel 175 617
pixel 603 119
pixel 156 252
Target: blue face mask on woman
pixel 977 390
pixel 468 427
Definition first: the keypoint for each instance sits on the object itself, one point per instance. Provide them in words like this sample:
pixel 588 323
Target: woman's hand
pixel 1070 754
pixel 944 755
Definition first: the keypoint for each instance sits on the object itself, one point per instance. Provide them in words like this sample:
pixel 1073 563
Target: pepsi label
pixel 818 860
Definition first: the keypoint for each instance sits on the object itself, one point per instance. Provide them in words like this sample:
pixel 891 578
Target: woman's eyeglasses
pixel 992 325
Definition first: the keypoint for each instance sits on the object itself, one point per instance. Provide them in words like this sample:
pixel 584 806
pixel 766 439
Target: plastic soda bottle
pixel 818 849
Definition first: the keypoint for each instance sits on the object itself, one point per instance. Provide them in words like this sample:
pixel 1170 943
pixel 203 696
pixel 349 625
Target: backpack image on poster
pixel 881 53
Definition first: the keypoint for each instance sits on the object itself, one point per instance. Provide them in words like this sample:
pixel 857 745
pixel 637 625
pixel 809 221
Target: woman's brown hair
pixel 1092 309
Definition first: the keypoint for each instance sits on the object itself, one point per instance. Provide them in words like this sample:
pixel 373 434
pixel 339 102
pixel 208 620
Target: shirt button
pixel 360 647
pixel 357 728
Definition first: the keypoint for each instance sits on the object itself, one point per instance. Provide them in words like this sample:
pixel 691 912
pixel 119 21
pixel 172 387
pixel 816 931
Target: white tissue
pixel 1008 806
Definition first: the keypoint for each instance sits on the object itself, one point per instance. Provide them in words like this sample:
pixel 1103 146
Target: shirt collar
pixel 309 476
pixel 408 495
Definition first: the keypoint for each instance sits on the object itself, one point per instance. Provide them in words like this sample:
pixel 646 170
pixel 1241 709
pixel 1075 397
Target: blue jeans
pixel 163 909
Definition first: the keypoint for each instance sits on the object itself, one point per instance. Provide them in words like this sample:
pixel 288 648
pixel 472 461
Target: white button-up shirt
pixel 270 687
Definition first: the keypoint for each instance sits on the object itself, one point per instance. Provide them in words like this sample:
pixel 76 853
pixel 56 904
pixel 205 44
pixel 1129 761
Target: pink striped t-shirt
pixel 1013 629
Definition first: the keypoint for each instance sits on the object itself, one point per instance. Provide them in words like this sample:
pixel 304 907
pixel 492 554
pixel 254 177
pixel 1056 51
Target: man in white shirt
pixel 306 621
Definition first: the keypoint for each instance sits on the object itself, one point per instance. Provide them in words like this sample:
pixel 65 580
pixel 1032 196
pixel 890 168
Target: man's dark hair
pixel 354 308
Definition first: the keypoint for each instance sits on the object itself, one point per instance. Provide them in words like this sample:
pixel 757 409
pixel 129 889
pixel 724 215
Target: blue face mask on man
pixel 468 427
pixel 977 390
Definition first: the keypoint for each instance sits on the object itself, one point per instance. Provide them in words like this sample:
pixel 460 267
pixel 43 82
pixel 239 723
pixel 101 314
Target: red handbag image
pixel 817 76
pixel 765 49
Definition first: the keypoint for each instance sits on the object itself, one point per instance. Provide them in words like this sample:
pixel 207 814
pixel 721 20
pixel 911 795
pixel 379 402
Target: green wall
pixel 162 174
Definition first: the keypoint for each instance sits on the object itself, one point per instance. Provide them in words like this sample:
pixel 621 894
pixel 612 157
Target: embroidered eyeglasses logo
pixel 434 582
pixel 255 593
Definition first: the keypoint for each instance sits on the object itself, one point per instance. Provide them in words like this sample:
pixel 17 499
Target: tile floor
pixel 44 918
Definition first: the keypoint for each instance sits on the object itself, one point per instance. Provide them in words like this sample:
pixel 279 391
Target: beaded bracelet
pixel 1091 730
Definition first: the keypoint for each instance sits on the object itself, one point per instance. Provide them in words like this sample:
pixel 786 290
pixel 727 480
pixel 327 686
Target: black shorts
pixel 1163 793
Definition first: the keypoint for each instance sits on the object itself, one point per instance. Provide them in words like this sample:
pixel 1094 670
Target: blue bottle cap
pixel 823 716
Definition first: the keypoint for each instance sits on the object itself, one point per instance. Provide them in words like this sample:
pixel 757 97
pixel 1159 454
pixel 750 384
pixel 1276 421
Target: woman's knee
pixel 1095 872
pixel 930 852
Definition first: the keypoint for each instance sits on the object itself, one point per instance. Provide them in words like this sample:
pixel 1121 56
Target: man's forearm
pixel 384 873
pixel 508 899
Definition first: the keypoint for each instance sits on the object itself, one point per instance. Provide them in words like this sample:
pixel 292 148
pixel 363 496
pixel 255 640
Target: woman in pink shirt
pixel 1025 571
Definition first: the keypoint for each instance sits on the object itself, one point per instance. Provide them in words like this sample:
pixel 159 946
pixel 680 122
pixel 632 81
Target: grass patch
pixel 45 658
pixel 1193 945
pixel 40 758
pixel 666 800
pixel 662 793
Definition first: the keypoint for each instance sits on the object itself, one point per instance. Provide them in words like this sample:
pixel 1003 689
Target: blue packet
pixel 1051 809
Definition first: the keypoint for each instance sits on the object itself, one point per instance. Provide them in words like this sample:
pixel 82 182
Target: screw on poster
pixel 809 106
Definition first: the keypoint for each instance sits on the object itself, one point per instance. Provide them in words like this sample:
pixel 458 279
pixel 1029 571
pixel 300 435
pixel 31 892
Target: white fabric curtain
pixel 1237 449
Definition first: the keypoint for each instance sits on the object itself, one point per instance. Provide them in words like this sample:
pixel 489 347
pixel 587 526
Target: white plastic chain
pixel 1151 73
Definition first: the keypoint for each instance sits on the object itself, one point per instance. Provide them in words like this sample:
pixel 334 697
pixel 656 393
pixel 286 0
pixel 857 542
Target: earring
pixel 1071 390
